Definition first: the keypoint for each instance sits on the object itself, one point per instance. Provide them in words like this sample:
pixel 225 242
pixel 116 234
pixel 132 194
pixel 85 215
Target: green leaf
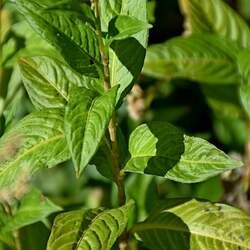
pixel 159 148
pixel 215 16
pixel 86 119
pixel 126 56
pixel 67 32
pixel 204 58
pixel 48 80
pixel 36 141
pixel 121 27
pixel 89 229
pixel 244 69
pixel 195 225
pixel 33 207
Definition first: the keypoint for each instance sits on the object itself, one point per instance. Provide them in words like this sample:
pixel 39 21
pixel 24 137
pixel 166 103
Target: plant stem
pixel 118 176
pixel 246 175
pixel 17 240
pixel 112 124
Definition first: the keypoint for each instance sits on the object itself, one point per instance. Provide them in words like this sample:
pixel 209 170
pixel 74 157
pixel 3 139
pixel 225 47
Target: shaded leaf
pixel 86 119
pixel 215 16
pixel 103 157
pixel 91 229
pixel 67 32
pixel 204 58
pixel 126 56
pixel 48 80
pixel 36 141
pixel 33 207
pixel 159 148
pixel 195 225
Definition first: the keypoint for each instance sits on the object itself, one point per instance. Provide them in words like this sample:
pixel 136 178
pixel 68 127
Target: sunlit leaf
pixel 160 149
pixel 36 141
pixel 67 32
pixel 203 58
pixel 195 225
pixel 127 55
pixel 215 16
pixel 48 81
pixel 90 229
pixel 87 117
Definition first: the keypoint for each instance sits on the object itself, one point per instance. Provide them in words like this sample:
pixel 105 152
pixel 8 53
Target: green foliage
pixel 86 119
pixel 65 73
pixel 215 16
pixel 48 81
pixel 202 57
pixel 161 149
pixel 124 69
pixel 195 225
pixel 66 31
pixel 91 229
pixel 36 141
pixel 33 207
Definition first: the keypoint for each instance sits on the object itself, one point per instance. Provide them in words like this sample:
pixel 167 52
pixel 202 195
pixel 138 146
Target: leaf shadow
pixel 130 53
pixel 169 227
pixel 169 148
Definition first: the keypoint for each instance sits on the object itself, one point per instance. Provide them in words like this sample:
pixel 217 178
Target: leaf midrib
pixel 180 160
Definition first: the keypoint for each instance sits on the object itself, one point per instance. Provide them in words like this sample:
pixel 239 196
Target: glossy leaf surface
pixel 91 229
pixel 161 149
pixel 86 119
pixel 195 225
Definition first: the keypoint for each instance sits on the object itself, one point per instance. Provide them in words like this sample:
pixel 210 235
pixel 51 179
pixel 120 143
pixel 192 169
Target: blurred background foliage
pixel 188 105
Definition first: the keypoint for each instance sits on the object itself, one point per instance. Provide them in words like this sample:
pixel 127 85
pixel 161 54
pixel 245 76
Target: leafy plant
pixel 88 59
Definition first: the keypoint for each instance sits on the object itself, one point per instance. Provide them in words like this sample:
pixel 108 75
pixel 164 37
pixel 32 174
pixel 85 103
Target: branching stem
pixel 118 176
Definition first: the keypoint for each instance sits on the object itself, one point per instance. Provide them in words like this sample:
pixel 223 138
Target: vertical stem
pixel 17 240
pixel 246 174
pixel 112 124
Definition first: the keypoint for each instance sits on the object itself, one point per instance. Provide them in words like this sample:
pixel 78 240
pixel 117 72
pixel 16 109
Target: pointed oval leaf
pixel 86 119
pixel 89 229
pixel 48 80
pixel 67 32
pixel 215 16
pixel 203 58
pixel 159 148
pixel 195 225
pixel 36 141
